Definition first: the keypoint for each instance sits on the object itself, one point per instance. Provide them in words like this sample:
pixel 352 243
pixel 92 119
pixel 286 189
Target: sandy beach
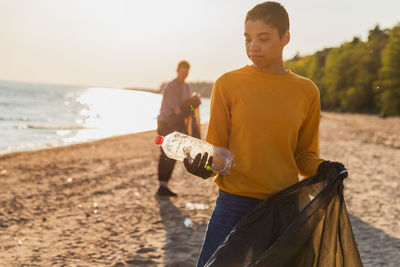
pixel 93 204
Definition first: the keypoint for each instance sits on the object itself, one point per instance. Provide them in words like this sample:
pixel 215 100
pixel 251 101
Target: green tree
pixel 389 75
pixel 346 74
pixel 300 65
pixel 343 75
pixel 377 40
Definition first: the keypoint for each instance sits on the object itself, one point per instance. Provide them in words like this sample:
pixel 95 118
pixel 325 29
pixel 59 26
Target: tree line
pixel 357 76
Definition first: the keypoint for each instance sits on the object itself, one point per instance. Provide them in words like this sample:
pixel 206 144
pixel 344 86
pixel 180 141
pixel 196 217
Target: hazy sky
pixel 137 43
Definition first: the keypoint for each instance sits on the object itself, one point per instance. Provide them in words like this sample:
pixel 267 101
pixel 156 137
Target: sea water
pixel 35 116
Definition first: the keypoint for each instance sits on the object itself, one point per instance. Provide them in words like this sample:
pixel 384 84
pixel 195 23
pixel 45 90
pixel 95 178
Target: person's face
pixel 182 73
pixel 263 44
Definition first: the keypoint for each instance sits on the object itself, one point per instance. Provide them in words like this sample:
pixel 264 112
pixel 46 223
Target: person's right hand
pixel 200 166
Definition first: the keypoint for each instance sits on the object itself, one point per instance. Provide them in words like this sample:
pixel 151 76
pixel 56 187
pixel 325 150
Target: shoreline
pixel 204 125
pixel 13 153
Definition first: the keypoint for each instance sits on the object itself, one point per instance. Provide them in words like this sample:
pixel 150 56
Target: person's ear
pixel 286 38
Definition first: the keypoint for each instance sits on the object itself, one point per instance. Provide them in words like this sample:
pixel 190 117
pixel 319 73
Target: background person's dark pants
pixel 165 164
pixel 165 167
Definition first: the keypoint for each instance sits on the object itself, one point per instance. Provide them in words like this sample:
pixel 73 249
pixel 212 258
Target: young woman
pixel 268 117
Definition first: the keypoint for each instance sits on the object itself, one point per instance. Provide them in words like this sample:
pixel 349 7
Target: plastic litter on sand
pixel 196 206
pixel 188 223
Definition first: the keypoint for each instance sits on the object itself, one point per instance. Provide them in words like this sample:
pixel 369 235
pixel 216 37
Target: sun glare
pixel 114 111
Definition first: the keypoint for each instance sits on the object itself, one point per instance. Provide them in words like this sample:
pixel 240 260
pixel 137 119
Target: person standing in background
pixel 177 111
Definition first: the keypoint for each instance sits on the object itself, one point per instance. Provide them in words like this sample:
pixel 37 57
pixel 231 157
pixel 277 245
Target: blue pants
pixel 229 209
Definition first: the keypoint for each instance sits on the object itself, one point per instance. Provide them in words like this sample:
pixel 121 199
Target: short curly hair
pixel 271 13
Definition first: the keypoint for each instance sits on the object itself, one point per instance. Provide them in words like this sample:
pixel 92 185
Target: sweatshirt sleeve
pixel 307 149
pixel 220 117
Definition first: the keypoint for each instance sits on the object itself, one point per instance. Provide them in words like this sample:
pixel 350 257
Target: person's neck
pixel 277 69
pixel 180 80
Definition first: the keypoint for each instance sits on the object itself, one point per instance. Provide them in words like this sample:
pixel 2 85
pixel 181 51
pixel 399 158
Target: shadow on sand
pixel 375 246
pixel 183 244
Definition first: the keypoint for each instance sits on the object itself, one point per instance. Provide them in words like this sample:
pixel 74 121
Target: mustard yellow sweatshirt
pixel 270 124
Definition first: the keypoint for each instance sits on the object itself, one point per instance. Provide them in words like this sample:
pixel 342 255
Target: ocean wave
pixel 56 127
pixel 14 119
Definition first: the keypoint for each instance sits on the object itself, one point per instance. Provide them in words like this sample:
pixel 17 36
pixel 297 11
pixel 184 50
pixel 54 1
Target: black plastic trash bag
pixel 303 225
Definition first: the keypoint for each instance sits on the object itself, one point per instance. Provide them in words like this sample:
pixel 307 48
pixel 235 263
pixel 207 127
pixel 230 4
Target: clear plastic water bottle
pixel 179 146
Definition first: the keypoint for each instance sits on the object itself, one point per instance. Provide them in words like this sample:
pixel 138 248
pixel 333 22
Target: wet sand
pixel 93 204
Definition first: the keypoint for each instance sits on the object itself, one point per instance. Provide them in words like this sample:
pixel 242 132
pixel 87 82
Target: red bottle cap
pixel 159 140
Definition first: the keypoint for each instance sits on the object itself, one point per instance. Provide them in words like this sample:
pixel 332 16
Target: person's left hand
pixel 332 169
pixel 196 100
pixel 191 104
pixel 200 166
